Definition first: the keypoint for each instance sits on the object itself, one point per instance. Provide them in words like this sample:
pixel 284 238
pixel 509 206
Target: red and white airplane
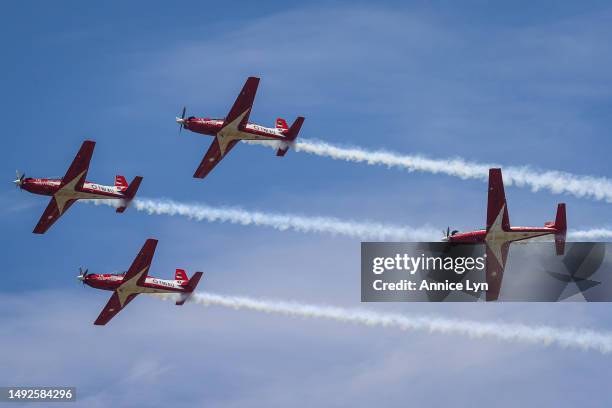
pixel 236 127
pixel 128 285
pixel 73 186
pixel 499 234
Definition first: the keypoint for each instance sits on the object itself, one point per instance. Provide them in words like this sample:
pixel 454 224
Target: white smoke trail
pixel 317 224
pixel 595 234
pixel 513 332
pixel 282 222
pixel 557 182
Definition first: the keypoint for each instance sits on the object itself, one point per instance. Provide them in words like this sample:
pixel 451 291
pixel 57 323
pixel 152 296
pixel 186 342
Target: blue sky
pixel 519 83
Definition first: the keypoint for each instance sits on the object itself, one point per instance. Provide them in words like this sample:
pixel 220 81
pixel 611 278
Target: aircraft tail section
pixel 121 183
pixel 130 193
pixel 191 285
pixel 561 227
pixel 290 135
pixel 180 275
pixel 497 209
pixel 281 124
pixel 560 219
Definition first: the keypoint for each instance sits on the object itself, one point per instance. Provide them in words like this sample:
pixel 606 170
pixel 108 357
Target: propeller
pixel 181 120
pixel 448 233
pixel 19 180
pixel 82 275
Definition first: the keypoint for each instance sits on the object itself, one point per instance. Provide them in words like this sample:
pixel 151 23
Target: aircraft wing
pixel 239 114
pixel 142 262
pixel 123 295
pixel 112 308
pixel 212 158
pixel 78 169
pixel 54 210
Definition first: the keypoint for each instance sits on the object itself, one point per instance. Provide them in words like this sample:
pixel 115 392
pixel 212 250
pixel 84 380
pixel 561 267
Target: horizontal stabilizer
pixel 290 136
pixel 191 285
pixel 130 193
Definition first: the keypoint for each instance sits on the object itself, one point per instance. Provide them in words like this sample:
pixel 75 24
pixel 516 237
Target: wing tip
pixel 152 241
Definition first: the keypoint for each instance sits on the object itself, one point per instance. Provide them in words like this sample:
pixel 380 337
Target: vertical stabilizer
pixel 496 203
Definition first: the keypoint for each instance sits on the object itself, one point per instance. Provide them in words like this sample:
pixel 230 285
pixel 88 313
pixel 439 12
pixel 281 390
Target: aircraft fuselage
pixel 151 284
pixel 513 234
pixel 89 190
pixel 251 131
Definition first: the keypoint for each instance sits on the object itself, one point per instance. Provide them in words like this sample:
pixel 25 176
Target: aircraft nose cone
pixel 180 120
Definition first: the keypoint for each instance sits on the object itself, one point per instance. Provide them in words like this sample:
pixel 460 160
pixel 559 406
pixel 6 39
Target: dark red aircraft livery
pixel 235 127
pixel 126 286
pixel 498 234
pixel 73 186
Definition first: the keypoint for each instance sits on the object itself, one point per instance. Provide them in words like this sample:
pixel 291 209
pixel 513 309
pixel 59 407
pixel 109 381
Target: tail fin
pixel 497 201
pixel 129 193
pixel 281 124
pixel 180 275
pixel 561 227
pixel 121 183
pixel 560 220
pixel 290 136
pixel 191 285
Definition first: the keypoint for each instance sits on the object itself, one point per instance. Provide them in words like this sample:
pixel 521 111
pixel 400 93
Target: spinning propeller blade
pixel 82 275
pixel 19 180
pixel 181 120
